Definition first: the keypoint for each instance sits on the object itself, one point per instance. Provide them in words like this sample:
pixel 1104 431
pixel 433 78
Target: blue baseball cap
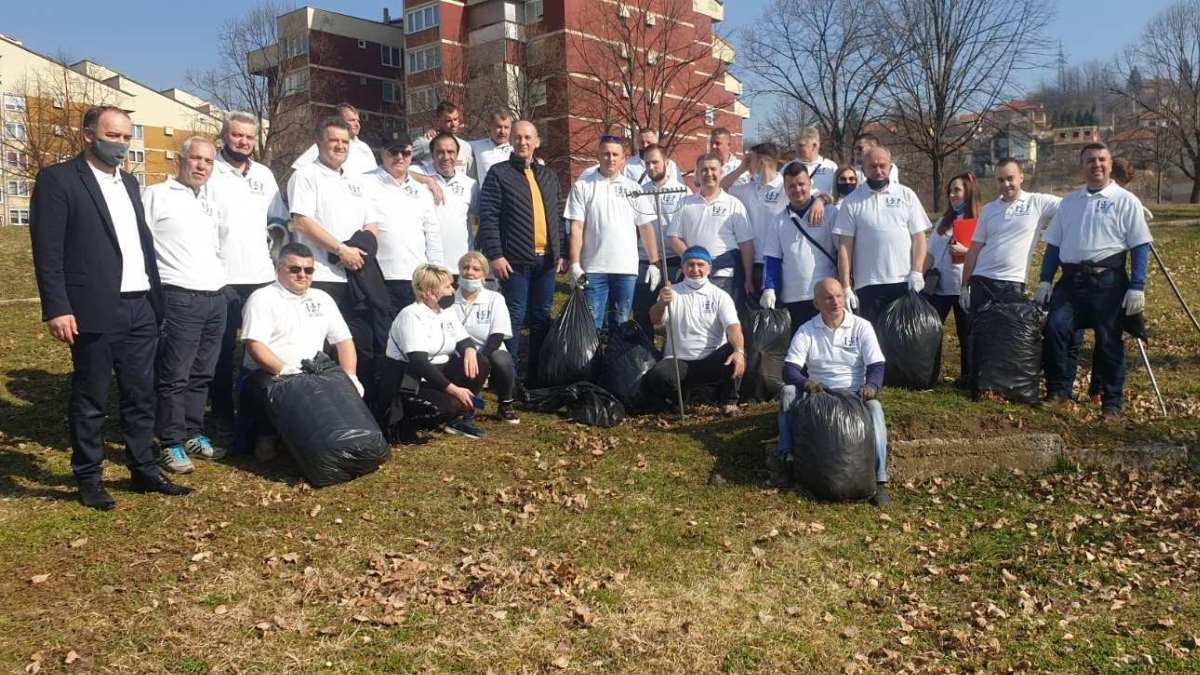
pixel 697 253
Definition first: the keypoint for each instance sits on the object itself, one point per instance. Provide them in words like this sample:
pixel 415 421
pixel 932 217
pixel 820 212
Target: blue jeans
pixel 188 347
pixel 1079 301
pixel 615 290
pixel 787 396
pixel 529 294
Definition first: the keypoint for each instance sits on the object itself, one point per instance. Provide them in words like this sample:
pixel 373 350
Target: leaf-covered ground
pixel 653 547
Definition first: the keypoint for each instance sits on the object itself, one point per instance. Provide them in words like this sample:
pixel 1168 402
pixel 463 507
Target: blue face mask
pixel 844 189
pixel 112 154
pixel 959 209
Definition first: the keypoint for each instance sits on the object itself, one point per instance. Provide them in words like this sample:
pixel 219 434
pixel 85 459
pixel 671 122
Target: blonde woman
pixel 485 316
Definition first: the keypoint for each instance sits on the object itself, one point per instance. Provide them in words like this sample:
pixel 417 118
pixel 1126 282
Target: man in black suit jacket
pixel 94 260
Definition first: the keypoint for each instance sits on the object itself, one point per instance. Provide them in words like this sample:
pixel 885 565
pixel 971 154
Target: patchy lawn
pixel 652 547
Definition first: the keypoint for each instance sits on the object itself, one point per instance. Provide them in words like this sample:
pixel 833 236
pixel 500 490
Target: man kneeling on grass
pixel 282 325
pixel 834 350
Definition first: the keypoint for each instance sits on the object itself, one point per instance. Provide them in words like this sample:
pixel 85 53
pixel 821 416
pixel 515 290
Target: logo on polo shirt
pixel 256 186
pixel 410 190
pixel 771 197
pixel 207 207
pixel 355 189
pixel 1021 208
pixel 313 308
pixel 849 342
pixel 456 188
pixel 893 201
pixel 719 209
pixel 708 305
pixel 483 315
pixel 1106 206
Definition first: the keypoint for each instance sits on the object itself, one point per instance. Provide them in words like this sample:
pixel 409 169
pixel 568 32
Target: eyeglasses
pixel 296 269
pixel 400 150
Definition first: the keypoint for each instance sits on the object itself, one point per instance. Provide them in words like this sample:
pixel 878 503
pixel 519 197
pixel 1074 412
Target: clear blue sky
pixel 157 42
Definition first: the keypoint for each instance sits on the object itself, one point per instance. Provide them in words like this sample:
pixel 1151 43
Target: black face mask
pixel 446 301
pixel 234 155
pixel 844 189
pixel 877 185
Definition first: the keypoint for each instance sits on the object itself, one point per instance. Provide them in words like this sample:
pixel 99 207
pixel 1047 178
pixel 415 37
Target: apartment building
pixel 42 106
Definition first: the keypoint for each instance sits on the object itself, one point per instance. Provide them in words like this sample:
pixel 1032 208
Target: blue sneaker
pixel 202 447
pixel 466 426
pixel 175 460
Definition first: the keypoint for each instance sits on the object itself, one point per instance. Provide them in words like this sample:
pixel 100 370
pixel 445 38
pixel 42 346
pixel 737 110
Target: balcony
pixel 722 50
pixel 713 9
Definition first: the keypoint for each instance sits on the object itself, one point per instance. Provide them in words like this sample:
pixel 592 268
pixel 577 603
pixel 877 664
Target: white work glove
pixel 1134 302
pixel 576 272
pixel 290 369
pixel 916 281
pixel 767 301
pixel 1042 296
pixel 357 385
pixel 964 298
pixel 653 276
pixel 851 300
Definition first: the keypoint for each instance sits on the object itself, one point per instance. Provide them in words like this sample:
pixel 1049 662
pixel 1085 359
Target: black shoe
pixel 508 413
pixel 1055 402
pixel 880 499
pixel 465 427
pixel 94 496
pixel 1112 415
pixel 160 485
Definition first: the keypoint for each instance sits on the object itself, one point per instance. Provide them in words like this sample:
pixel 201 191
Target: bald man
pixel 833 350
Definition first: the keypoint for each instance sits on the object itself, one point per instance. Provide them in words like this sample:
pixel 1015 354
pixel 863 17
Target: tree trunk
pixel 936 172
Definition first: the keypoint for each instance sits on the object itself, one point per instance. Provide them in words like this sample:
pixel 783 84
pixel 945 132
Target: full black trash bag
pixel 585 402
pixel 628 356
pixel 325 424
pixel 768 333
pixel 569 352
pixel 1006 350
pixel 833 446
pixel 910 335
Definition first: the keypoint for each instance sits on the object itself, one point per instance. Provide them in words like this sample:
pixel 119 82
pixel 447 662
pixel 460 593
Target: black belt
pixel 133 295
pixel 188 291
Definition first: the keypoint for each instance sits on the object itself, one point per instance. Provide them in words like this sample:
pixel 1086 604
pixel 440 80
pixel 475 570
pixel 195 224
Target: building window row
pixel 138 132
pixel 421 100
pixel 15 131
pixel 391 56
pixel 295 46
pixel 18 188
pixel 14 103
pixel 425 58
pixel 417 20
pixel 295 82
pixel 18 216
pixel 137 156
pixel 391 91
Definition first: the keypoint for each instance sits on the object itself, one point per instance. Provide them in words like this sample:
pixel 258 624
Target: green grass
pixel 529 553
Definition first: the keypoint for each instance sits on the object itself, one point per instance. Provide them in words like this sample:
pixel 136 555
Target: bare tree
pixel 957 60
pixel 1167 56
pixel 783 123
pixel 645 70
pixel 825 56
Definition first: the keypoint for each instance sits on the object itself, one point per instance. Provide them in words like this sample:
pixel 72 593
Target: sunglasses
pixel 296 269
pixel 400 150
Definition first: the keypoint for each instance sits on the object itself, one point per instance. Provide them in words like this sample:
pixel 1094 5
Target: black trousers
pixel 221 392
pixel 962 326
pixel 188 347
pixel 801 312
pixel 503 374
pixel 129 351
pixel 873 300
pixel 985 291
pixel 660 381
pixel 448 407
pixel 644 298
pixel 401 292
pixel 252 418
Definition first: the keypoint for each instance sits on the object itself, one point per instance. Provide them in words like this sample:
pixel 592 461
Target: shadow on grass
pixel 737 443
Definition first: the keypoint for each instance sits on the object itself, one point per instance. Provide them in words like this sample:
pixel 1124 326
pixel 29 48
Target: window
pixel 421 19
pixel 18 216
pixel 537 94
pixel 295 82
pixel 295 46
pixel 425 58
pixel 390 56
pixel 57 102
pixel 15 130
pixel 534 10
pixel 137 156
pixel 362 44
pixel 170 154
pixel 710 116
pixel 18 188
pixel 15 160
pixel 650 20
pixel 623 10
pixel 421 100
pixel 168 131
pixel 138 132
pixel 391 91
pixel 14 103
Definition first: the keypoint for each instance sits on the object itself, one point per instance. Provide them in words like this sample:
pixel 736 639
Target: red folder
pixel 964 229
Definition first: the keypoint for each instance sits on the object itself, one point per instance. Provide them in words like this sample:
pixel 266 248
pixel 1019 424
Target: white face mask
pixel 470 285
pixel 695 284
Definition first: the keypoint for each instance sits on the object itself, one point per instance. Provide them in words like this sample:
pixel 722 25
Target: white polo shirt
pixel 1090 227
pixel 763 204
pixel 611 219
pixel 893 175
pixel 335 200
pixel 718 226
pixel 733 164
pixel 950 282
pixel 294 327
pixel 423 154
pixel 698 321
pixel 461 201
pixel 669 204
pixel 409 234
pixel 124 218
pixel 836 357
pixel 803 265
pixel 249 202
pixel 882 224
pixel 822 171
pixel 1009 231
pixel 360 158
pixel 486 315
pixel 418 328
pixel 187 243
pixel 488 154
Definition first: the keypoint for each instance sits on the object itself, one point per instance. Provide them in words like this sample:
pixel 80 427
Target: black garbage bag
pixel 768 333
pixel 628 356
pixel 1006 350
pixel 569 352
pixel 325 424
pixel 585 402
pixel 833 446
pixel 910 335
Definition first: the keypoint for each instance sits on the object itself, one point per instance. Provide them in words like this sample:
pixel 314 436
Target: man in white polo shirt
pixel 456 215
pixel 328 207
pixel 997 266
pixel 359 156
pixel 1095 230
pixel 636 168
pixel 834 350
pixel 657 178
pixel 717 221
pixel 449 117
pixel 705 336
pixel 284 324
pixel 764 199
pixel 252 216
pixel 881 247
pixel 409 234
pixel 720 143
pixel 493 149
pixel 862 144
pixel 821 170
pixel 187 244
pixel 605 224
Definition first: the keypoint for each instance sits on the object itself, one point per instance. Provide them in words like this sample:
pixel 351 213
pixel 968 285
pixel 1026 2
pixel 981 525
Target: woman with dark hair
pixel 946 256
pixel 844 182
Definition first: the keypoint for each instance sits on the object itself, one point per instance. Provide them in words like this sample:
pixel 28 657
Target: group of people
pixel 420 276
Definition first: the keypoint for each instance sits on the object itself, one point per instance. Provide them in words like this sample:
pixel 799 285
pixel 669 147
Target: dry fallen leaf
pixel 561 663
pixel 312 513
pixel 71 657
pixel 38 579
pixel 220 609
pixel 76 543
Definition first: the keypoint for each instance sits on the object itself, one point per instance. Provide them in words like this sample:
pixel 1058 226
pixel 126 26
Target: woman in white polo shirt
pixel 439 352
pixel 484 314
pixel 947 255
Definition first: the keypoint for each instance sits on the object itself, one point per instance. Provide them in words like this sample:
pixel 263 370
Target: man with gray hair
pixel 808 153
pixel 185 224
pixel 253 216
pixel 359 156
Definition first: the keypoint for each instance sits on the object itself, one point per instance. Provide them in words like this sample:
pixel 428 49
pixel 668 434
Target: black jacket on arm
pixel 76 257
pixel 506 213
